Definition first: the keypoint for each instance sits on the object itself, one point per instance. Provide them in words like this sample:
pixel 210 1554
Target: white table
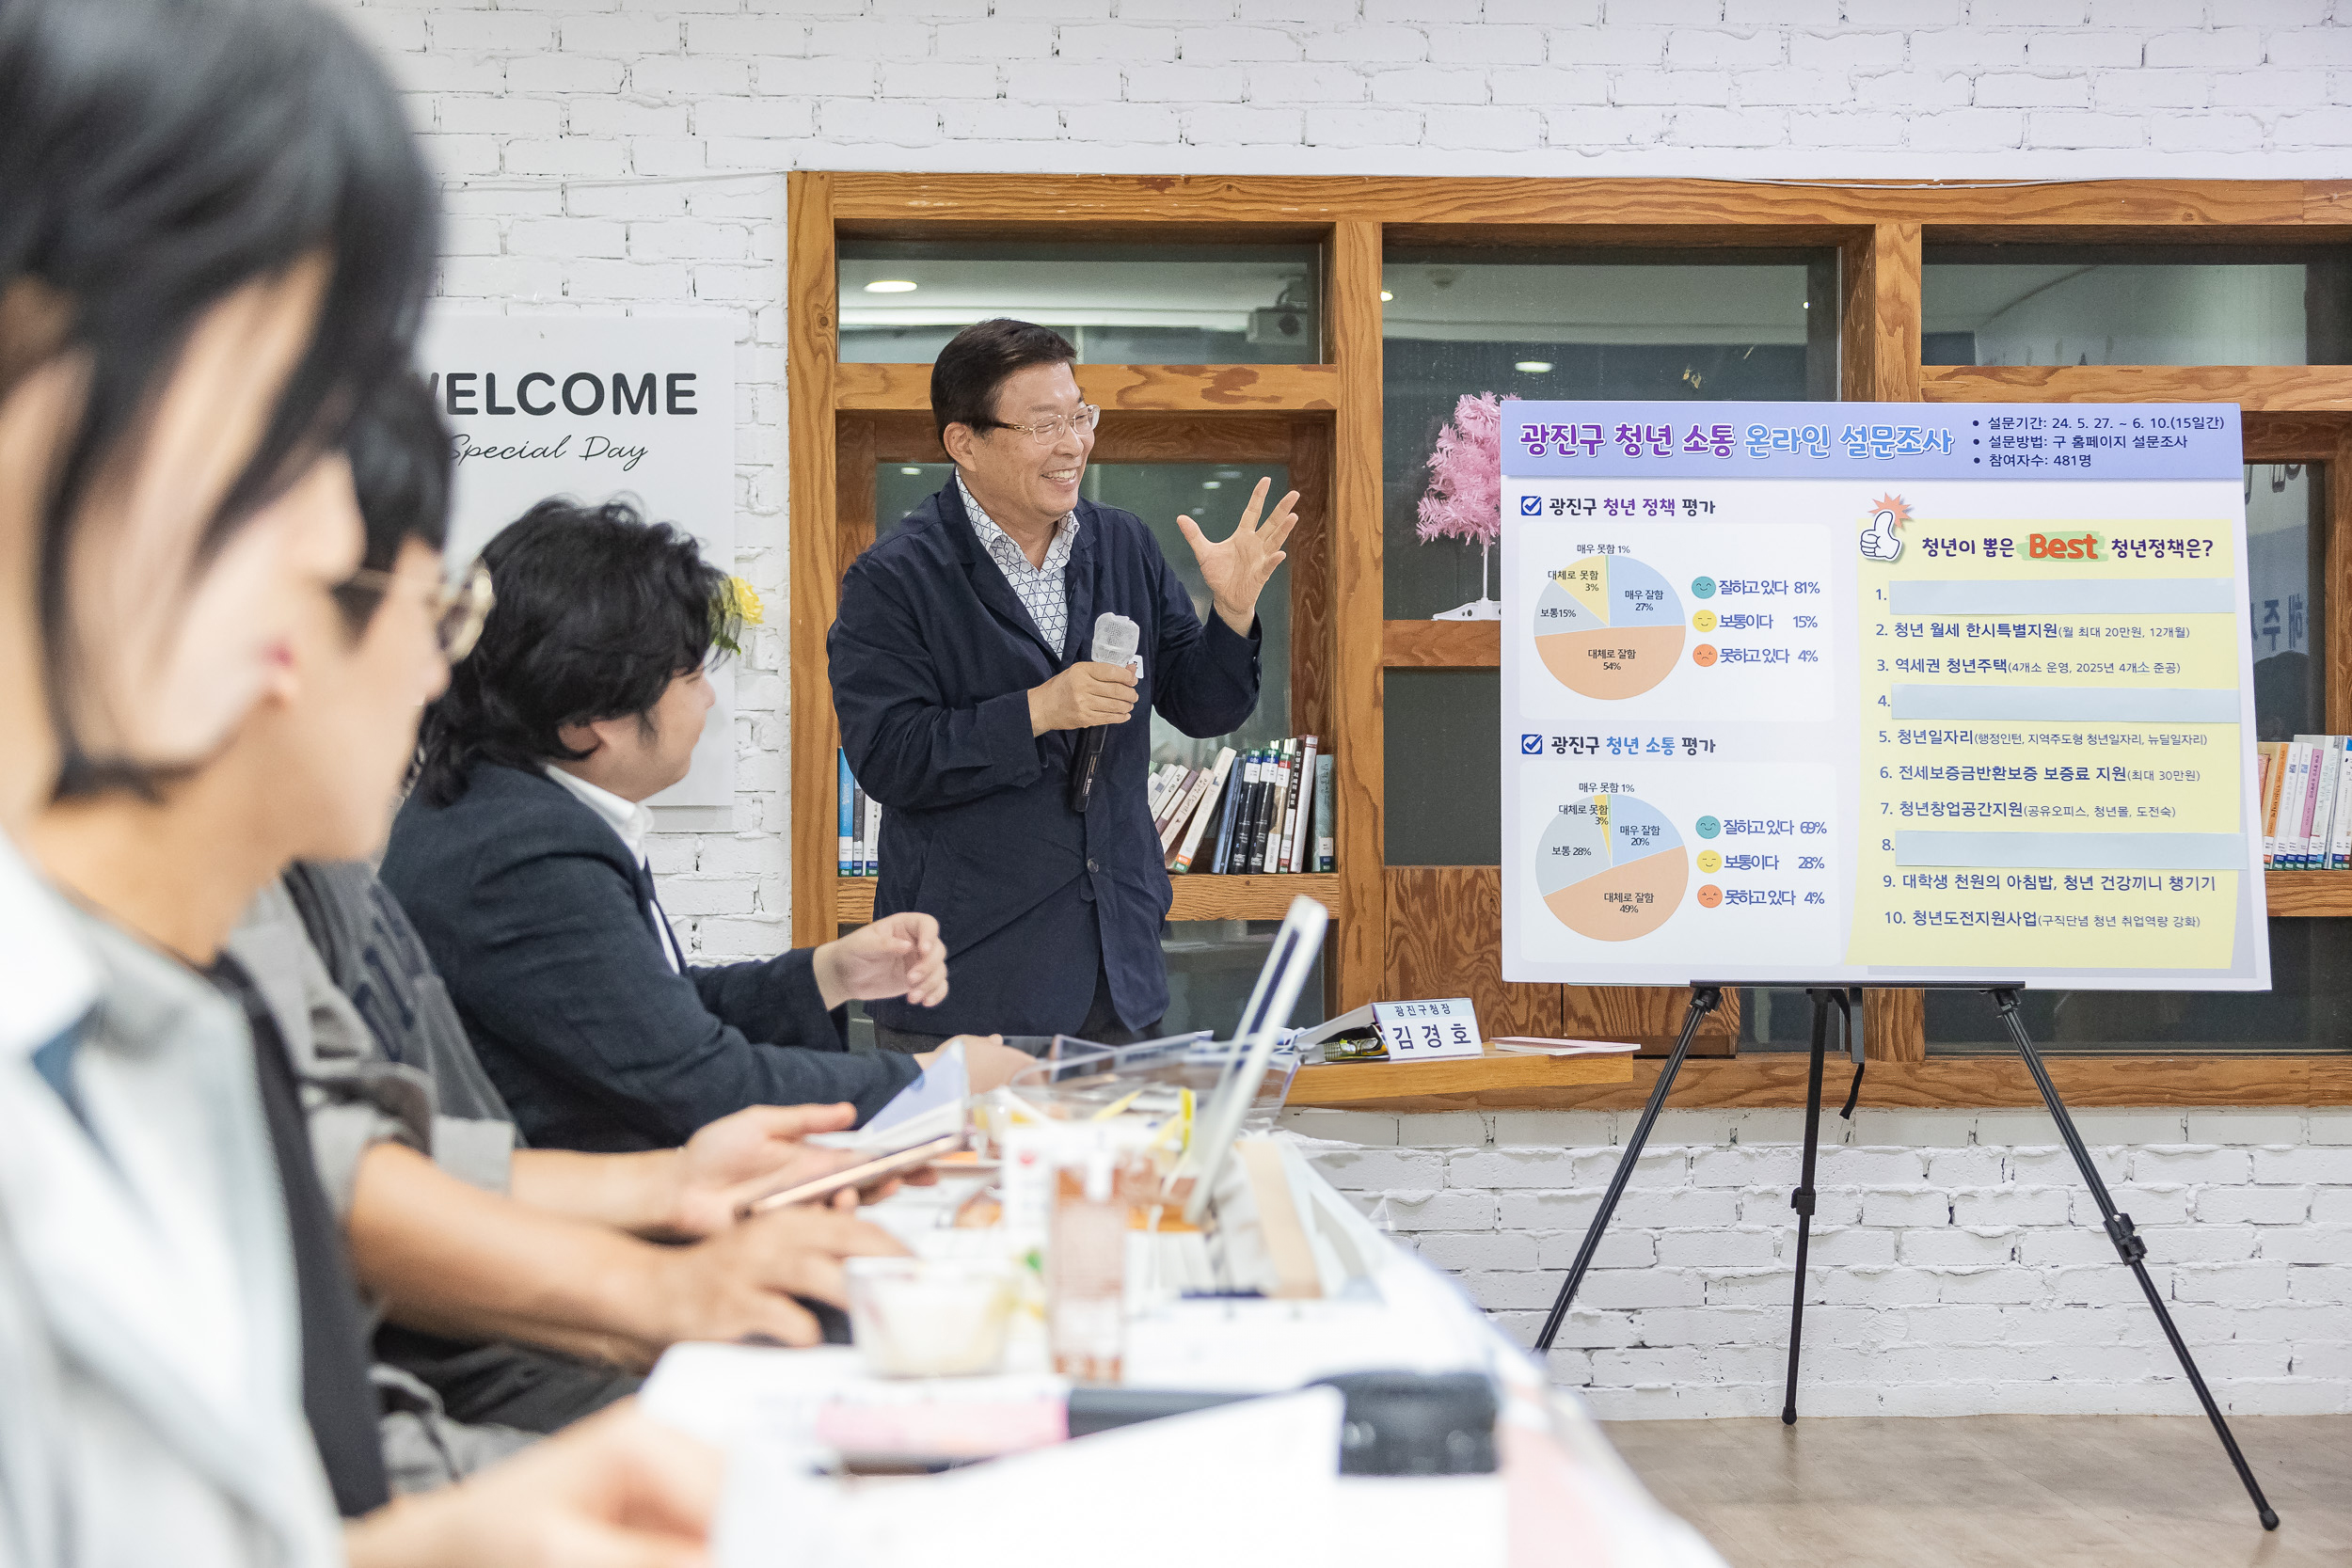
pixel 1248 1483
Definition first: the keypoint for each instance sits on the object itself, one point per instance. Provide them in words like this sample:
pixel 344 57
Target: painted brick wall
pixel 1958 1266
pixel 612 153
pixel 579 138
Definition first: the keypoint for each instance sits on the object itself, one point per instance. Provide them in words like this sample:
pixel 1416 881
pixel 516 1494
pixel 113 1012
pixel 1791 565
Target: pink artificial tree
pixel 1465 497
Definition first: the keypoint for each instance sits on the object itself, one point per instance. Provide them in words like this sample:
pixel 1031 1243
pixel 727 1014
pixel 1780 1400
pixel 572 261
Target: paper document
pixel 1526 1045
pixel 1254 1482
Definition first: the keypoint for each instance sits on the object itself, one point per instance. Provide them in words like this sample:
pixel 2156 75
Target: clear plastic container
pixel 931 1317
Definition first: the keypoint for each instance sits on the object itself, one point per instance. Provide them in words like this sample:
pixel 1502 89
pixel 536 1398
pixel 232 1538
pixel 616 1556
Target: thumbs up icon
pixel 1879 542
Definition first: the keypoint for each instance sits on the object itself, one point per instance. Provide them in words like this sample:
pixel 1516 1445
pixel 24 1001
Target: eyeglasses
pixel 1046 431
pixel 459 609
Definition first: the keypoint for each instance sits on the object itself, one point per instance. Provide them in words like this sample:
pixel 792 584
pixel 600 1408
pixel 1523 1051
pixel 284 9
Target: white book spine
pixel 2312 780
pixel 1305 806
pixel 2290 805
pixel 1157 796
pixel 873 836
pixel 2323 803
pixel 1187 802
pixel 1211 798
pixel 1277 820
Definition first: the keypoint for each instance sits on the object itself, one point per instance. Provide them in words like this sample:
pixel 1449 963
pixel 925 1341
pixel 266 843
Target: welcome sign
pixel 595 408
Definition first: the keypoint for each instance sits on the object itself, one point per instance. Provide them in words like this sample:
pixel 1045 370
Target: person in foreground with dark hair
pixel 314 770
pixel 520 857
pixel 962 675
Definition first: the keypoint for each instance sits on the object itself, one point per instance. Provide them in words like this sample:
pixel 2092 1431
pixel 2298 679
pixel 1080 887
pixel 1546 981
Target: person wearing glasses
pixel 969 704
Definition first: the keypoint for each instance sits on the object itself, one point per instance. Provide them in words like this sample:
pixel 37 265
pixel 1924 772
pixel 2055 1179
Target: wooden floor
pixel 1989 1491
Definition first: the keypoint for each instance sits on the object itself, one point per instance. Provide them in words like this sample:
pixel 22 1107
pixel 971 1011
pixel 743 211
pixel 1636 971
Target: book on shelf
pixel 2274 773
pixel 1245 772
pixel 2304 794
pixel 1188 847
pixel 871 860
pixel 1303 806
pixel 2338 850
pixel 1325 838
pixel 1187 804
pixel 2325 757
pixel 1249 811
pixel 847 793
pixel 1269 802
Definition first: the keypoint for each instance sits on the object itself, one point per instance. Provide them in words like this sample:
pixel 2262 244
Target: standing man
pixel 967 698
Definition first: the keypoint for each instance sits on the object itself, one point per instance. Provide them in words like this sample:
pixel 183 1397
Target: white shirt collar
pixel 48 978
pixel 631 820
pixel 990 530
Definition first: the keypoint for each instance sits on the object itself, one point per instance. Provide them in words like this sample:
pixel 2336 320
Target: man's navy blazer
pixel 933 656
pixel 539 921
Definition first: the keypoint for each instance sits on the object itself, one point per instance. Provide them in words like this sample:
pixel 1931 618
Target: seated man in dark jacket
pixel 520 859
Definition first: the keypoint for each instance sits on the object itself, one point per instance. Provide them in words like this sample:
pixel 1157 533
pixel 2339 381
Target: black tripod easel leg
pixel 1802 1200
pixel 2128 1245
pixel 1704 1000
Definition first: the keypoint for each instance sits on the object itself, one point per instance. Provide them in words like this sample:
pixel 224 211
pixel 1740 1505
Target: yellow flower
pixel 744 599
pixel 736 605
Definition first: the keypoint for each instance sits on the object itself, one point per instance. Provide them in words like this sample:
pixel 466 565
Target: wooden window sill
pixel 1777 1079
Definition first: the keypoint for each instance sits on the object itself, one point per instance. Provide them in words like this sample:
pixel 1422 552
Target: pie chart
pixel 1608 627
pixel 1612 867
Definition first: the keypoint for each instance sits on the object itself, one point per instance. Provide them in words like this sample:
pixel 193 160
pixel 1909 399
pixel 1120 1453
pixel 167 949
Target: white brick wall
pixel 518 97
pixel 1958 1266
pixel 581 139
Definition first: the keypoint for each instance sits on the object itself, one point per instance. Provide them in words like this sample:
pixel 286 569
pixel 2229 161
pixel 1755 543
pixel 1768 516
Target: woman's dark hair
pixel 399 449
pixel 978 360
pixel 597 610
pixel 156 156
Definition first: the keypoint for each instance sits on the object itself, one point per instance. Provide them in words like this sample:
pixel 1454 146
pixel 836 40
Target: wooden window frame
pixel 1391 924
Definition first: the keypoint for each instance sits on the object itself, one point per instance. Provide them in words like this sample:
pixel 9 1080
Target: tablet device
pixel 1296 946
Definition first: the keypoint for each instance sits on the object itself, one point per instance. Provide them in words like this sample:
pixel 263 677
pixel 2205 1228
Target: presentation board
pixel 595 408
pixel 1878 693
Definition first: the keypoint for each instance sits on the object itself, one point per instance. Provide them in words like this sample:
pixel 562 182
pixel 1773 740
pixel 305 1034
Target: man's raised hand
pixel 1236 568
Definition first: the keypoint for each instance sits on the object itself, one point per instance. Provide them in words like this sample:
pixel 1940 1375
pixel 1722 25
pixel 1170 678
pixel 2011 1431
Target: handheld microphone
pixel 1116 639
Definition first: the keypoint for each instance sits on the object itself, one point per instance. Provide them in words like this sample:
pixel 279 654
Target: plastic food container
pixel 931 1317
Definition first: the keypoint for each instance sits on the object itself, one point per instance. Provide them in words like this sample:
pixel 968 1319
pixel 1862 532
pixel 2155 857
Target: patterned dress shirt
pixel 1042 589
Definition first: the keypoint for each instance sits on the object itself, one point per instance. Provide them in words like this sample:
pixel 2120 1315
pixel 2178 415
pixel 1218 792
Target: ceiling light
pixel 1386 296
pixel 915 471
pixel 1213 484
pixel 890 286
pixel 1229 473
pixel 1533 367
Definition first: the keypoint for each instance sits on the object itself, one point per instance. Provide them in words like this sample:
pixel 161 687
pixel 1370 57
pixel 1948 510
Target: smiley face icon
pixel 1710 895
pixel 1709 862
pixel 1704 656
pixel 1703 621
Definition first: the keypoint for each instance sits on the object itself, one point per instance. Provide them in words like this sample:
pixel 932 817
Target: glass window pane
pixel 1444 764
pixel 1118 305
pixel 1780 1017
pixel 2115 304
pixel 1212 495
pixel 1211 966
pixel 2308 1009
pixel 2284 542
pixel 1587 325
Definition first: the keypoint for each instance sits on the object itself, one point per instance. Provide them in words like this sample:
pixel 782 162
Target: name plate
pixel 1427 1031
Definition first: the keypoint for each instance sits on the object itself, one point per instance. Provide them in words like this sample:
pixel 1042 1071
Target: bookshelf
pixel 1412 929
